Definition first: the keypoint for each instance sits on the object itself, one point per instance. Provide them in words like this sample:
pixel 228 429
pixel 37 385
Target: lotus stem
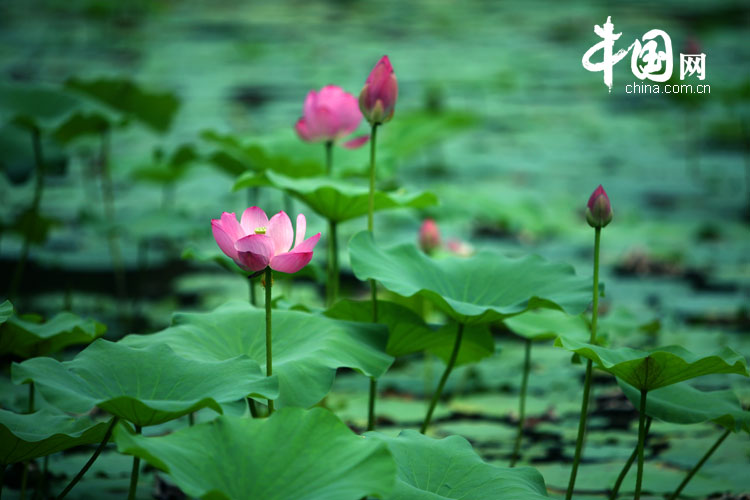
pixel 522 403
pixel 699 465
pixel 2 477
pixel 628 464
pixel 329 158
pixel 269 353
pixel 36 144
pixel 444 378
pixel 251 287
pixel 191 419
pixel 91 460
pixel 373 284
pixel 332 289
pixel 135 471
pixel 24 480
pixel 641 440
pixel 589 367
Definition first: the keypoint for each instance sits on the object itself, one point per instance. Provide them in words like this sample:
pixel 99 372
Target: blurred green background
pixel 496 116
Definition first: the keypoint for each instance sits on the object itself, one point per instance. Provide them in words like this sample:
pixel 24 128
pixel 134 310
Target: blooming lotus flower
pixel 598 209
pixel 377 101
pixel 255 242
pixel 329 115
pixel 429 236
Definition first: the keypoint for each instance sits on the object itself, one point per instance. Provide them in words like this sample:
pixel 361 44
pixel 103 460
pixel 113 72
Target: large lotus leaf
pixel 307 348
pixel 6 311
pixel 35 107
pixel 295 454
pixel 408 333
pixel 235 157
pixel 488 287
pixel 31 435
pixel 334 199
pixel 154 109
pixel 434 469
pixel 27 338
pixel 84 123
pixel 684 404
pixel 547 324
pixel 145 386
pixel 657 367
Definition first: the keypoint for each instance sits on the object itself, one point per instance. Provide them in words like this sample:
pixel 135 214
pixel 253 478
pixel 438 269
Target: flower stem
pixel 589 366
pixel 699 465
pixel 373 284
pixel 36 143
pixel 332 289
pixel 251 286
pixel 269 354
pixel 134 472
pixel 329 158
pixel 628 464
pixel 522 403
pixel 641 440
pixel 444 378
pixel 91 460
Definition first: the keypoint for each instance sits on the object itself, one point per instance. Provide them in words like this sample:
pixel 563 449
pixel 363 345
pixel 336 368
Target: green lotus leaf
pixel 295 454
pixel 307 348
pixel 145 386
pixel 6 311
pixel 235 158
pixel 84 123
pixel 486 288
pixel 27 436
pixel 26 338
pixel 657 367
pixel 408 333
pixel 684 404
pixel 35 108
pixel 548 324
pixel 335 199
pixel 434 469
pixel 154 109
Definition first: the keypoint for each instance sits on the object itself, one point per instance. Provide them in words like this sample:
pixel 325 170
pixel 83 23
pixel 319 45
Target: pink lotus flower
pixel 429 236
pixel 598 209
pixel 377 101
pixel 329 115
pixel 255 243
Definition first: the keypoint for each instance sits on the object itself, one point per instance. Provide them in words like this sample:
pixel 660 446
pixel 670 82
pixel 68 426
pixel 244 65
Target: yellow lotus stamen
pixel 260 230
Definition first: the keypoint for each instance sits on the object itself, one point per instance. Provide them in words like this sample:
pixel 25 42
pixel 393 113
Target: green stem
pixel 191 418
pixel 699 465
pixel 641 440
pixel 251 287
pixel 522 403
pixel 444 378
pixel 373 284
pixel 628 464
pixel 329 158
pixel 36 144
pixel 24 480
pixel 31 398
pixel 269 354
pixel 91 461
pixel 2 477
pixel 587 379
pixel 332 289
pixel 135 471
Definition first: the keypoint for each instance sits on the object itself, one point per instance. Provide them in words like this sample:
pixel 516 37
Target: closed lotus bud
pixel 377 101
pixel 429 236
pixel 598 209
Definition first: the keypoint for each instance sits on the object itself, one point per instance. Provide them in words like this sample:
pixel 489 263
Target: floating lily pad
pixel 684 404
pixel 433 469
pixel 307 348
pixel 26 338
pixel 334 199
pixel 145 386
pixel 547 324
pixel 408 333
pixel 488 287
pixel 32 435
pixel 154 109
pixel 295 454
pixel 657 367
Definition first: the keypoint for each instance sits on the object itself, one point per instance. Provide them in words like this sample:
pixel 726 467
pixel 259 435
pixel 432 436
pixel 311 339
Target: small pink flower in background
pixel 429 236
pixel 377 101
pixel 329 115
pixel 459 248
pixel 255 242
pixel 598 209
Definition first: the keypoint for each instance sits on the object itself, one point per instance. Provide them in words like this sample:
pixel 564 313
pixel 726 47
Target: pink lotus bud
pixel 377 101
pixel 429 236
pixel 329 115
pixel 598 209
pixel 256 242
